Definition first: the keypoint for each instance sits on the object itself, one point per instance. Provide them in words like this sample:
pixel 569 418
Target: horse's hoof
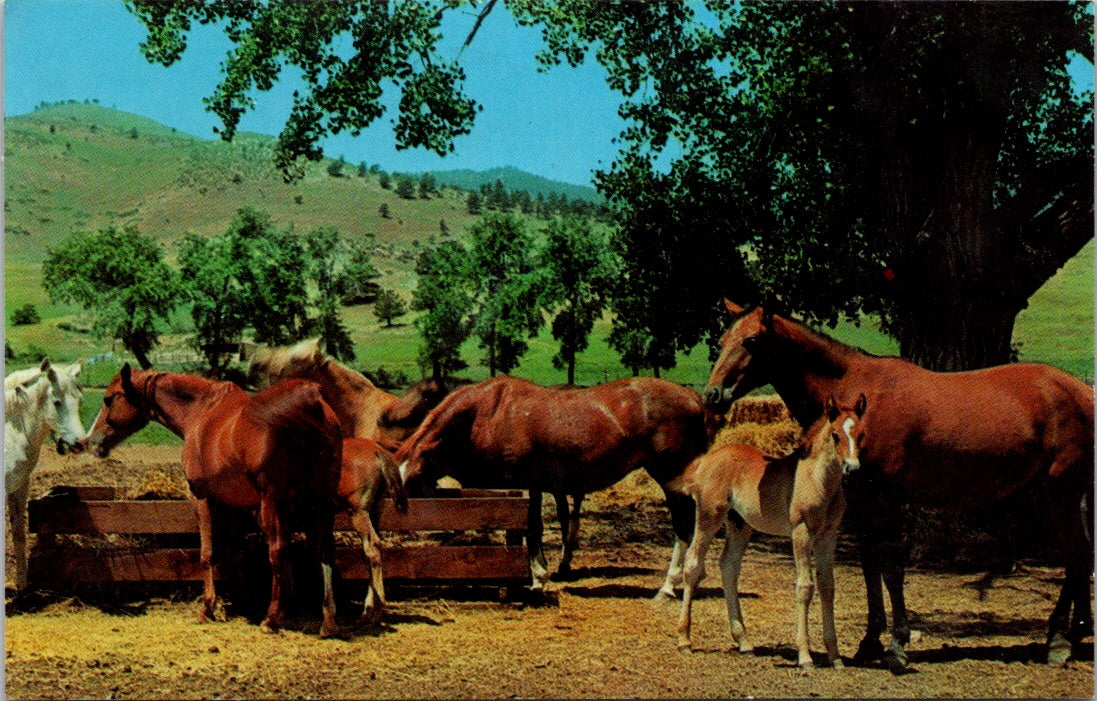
pixel 326 632
pixel 806 665
pixel 664 595
pixel 837 663
pixel 685 646
pixel 746 649
pixel 269 627
pixel 868 651
pixel 1058 650
pixel 896 662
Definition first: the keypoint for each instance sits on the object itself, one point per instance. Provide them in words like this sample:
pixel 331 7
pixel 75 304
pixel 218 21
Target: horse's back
pixel 746 480
pixel 978 433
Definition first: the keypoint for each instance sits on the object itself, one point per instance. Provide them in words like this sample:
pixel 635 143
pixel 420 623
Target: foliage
pixel 405 187
pixel 393 44
pixel 120 276
pixel 578 271
pixel 929 162
pixel 508 288
pixel 444 295
pixel 25 315
pixel 389 305
pixel 256 276
pixel 326 253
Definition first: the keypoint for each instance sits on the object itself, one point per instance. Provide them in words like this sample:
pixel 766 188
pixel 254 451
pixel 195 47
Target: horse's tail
pixel 392 480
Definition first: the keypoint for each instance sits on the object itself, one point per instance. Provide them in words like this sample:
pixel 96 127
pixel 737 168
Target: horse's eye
pixel 108 400
pixel 750 343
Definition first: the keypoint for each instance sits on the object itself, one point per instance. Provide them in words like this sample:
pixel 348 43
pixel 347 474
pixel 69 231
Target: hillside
pixel 515 180
pixel 72 167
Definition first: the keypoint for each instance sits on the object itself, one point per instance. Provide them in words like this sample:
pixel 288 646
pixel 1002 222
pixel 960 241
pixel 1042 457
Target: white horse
pixel 37 402
pixel 799 496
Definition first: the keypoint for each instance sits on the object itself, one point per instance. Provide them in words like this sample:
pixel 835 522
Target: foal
pixel 37 402
pixel 799 495
pixel 368 473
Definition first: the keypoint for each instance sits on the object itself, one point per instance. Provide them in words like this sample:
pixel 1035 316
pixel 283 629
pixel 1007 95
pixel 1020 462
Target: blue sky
pixel 558 124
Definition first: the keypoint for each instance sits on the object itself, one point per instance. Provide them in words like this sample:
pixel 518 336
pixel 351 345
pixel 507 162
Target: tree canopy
pixel 927 162
pixel 120 276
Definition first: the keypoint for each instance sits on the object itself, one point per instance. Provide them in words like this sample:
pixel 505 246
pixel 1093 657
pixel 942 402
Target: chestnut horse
pixel 356 401
pixel 509 432
pixel 402 416
pixel 278 449
pixel 954 440
pixel 369 473
pixel 799 495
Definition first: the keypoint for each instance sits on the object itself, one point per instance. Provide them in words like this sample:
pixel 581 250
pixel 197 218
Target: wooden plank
pixel 84 492
pixel 425 563
pixel 441 562
pixel 57 516
pixel 48 517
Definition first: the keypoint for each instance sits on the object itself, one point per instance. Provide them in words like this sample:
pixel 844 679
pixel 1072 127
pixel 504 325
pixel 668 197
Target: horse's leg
pixel 708 523
pixel 731 564
pixel 563 515
pixel 371 548
pixel 534 531
pixel 805 589
pixel 571 537
pixel 324 523
pixel 270 520
pixel 17 514
pixel 205 538
pixel 869 544
pixel 825 548
pixel 1066 510
pixel 683 518
pixel 894 566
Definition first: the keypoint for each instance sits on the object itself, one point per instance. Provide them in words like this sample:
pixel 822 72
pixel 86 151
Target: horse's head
pixel 847 432
pixel 273 365
pixel 125 411
pixel 439 446
pixel 64 407
pixel 737 370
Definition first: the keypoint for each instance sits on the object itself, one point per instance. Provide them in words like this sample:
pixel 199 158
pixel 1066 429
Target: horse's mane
pixel 438 413
pixel 19 377
pixel 306 352
pixel 304 357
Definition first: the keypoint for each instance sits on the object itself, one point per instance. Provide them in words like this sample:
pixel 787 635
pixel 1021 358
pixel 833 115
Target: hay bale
pixel 764 409
pixel 775 437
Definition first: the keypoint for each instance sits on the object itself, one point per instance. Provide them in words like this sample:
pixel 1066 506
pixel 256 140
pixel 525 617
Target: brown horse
pixel 799 495
pixel 369 473
pixel 402 416
pixel 508 432
pixel 278 449
pixel 941 439
pixel 356 401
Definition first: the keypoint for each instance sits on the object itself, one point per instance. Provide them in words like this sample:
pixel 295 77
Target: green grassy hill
pixel 72 167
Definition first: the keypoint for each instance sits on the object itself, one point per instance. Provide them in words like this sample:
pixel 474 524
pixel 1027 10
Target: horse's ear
pixel 733 308
pixel 317 348
pixel 862 404
pixel 75 369
pixel 45 366
pixel 832 408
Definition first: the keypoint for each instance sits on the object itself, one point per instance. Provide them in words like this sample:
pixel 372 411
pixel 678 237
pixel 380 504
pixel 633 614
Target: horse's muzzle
pixel 64 447
pixel 850 466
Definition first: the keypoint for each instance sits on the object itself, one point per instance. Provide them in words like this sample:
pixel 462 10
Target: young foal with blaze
pixel 279 451
pixel 799 496
pixel 37 402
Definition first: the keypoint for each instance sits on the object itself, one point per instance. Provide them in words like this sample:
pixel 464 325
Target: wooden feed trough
pixel 169 523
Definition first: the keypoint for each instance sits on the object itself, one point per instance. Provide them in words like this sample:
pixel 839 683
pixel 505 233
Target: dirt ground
pixel 597 635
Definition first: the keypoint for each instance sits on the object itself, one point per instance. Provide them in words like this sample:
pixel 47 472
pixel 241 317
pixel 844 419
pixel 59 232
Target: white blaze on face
pixel 847 427
pixel 404 471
